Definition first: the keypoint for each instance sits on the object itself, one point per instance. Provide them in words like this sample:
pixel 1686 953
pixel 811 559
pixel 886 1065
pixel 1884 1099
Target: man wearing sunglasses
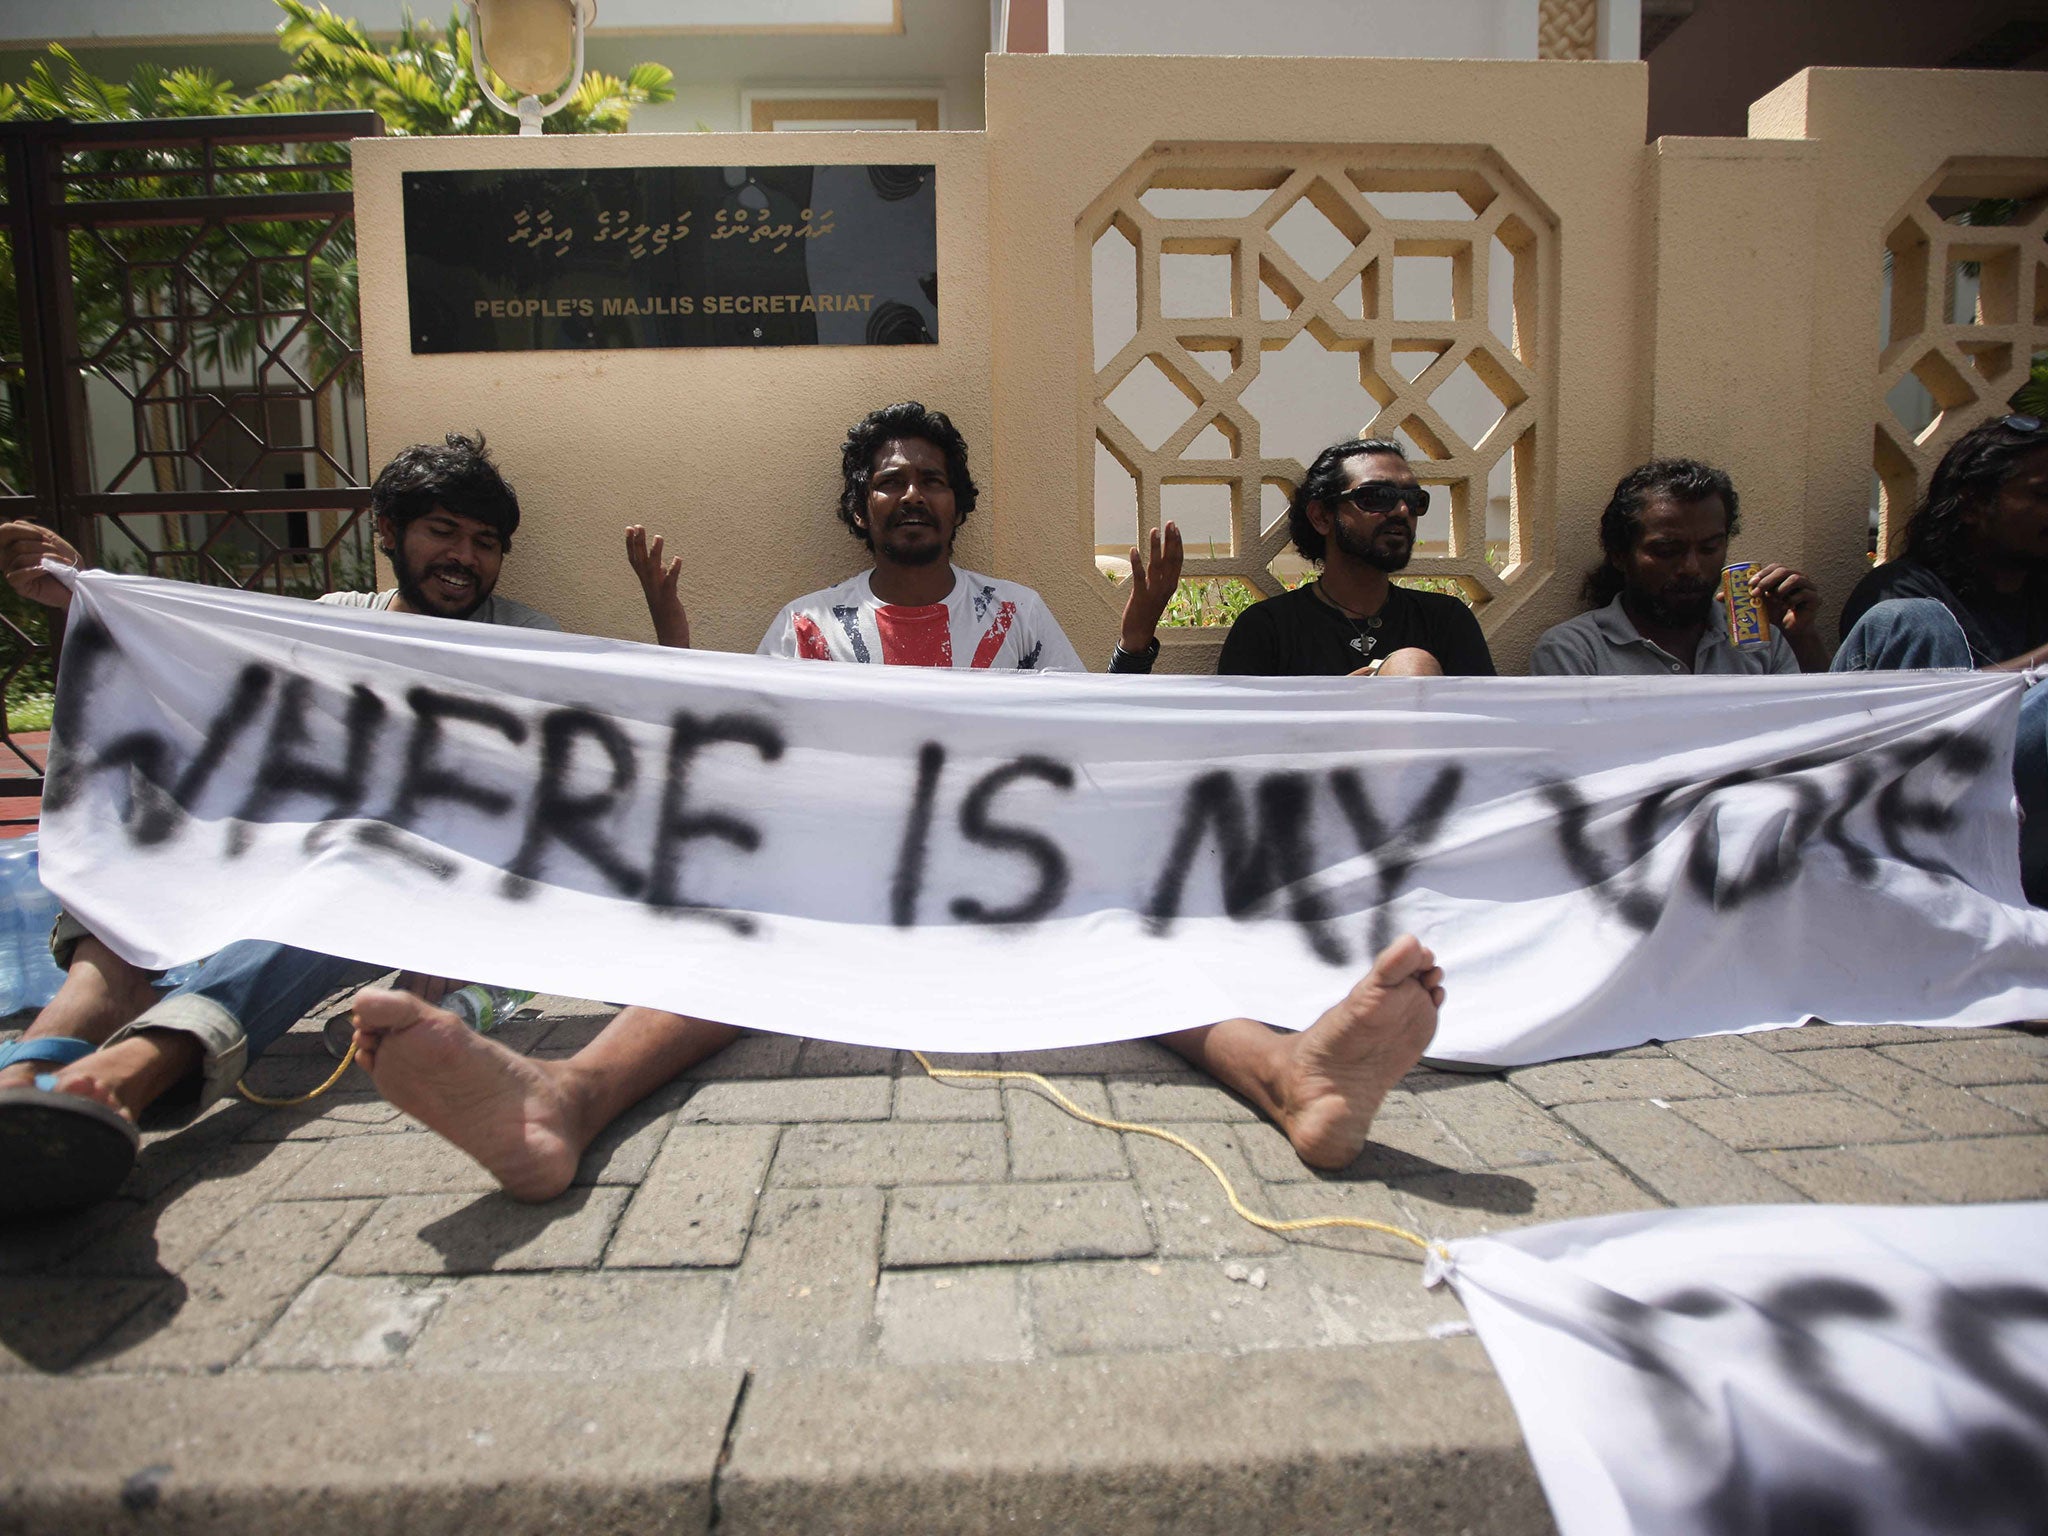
pixel 1355 516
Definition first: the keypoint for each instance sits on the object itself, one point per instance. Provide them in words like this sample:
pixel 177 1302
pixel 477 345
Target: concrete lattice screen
pixel 1251 304
pixel 1967 315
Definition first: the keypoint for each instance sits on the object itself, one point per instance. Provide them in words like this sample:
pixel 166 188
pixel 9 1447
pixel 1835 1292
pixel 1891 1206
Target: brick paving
pixel 822 1205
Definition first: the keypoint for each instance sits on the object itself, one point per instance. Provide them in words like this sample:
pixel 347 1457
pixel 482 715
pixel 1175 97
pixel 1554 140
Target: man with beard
pixel 905 489
pixel 1666 533
pixel 1354 515
pixel 445 518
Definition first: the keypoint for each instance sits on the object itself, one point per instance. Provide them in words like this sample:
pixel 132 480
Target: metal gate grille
pixel 180 363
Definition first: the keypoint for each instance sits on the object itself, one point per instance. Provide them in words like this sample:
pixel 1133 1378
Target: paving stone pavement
pixel 815 1208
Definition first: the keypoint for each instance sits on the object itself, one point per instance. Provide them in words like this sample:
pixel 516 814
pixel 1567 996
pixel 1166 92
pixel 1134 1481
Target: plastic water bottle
pixel 483 1008
pixel 29 978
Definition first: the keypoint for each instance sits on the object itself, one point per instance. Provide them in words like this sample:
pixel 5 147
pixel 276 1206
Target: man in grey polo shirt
pixel 1666 533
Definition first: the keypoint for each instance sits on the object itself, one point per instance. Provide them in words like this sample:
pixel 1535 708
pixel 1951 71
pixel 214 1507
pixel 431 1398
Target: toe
pixel 377 1011
pixel 1400 960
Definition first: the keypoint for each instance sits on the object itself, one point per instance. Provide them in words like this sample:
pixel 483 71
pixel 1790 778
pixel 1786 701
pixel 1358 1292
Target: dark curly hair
pixel 1324 482
pixel 1621 525
pixel 906 418
pixel 456 475
pixel 1967 478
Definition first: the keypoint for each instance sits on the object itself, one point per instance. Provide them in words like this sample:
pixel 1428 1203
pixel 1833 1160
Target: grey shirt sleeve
pixel 1563 650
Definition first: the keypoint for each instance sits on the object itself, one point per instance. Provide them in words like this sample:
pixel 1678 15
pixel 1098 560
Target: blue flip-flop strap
pixel 55 1049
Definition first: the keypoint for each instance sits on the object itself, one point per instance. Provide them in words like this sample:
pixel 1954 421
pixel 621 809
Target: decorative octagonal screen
pixel 1964 324
pixel 1252 304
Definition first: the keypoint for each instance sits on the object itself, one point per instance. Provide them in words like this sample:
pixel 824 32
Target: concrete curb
pixel 347 1455
pixel 1399 1438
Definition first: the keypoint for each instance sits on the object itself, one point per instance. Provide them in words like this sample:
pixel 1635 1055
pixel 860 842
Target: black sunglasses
pixel 1380 497
pixel 2021 423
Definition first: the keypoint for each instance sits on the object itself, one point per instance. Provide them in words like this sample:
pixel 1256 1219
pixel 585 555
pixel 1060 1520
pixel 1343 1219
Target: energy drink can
pixel 1749 627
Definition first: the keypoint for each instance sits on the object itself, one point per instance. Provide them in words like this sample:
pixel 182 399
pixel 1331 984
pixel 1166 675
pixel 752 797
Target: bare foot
pixel 1341 1067
pixel 505 1110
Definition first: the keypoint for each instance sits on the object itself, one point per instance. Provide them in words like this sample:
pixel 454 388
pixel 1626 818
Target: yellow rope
pixel 1268 1223
pixel 256 1098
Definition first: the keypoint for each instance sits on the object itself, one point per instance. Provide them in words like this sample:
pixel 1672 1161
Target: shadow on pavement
pixel 472 1240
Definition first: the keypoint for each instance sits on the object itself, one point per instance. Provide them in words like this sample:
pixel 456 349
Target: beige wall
pixel 1715 297
pixel 1737 241
pixel 1062 129
pixel 732 452
pixel 1877 137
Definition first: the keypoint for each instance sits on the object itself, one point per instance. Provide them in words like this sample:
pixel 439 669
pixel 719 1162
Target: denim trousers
pixel 240 1000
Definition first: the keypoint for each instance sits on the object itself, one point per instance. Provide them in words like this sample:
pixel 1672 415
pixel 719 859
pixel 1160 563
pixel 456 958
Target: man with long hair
pixel 1971 590
pixel 1664 537
pixel 1354 516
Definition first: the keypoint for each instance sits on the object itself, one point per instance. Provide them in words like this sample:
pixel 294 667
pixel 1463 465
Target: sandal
pixel 57 1050
pixel 59 1151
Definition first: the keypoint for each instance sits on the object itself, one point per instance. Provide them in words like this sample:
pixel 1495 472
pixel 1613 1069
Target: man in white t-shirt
pixel 906 490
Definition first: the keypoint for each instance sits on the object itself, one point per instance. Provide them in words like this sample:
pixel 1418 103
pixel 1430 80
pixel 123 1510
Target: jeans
pixel 1909 633
pixel 241 999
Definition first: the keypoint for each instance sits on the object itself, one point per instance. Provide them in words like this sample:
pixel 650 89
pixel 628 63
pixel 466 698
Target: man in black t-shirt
pixel 1354 515
pixel 1971 590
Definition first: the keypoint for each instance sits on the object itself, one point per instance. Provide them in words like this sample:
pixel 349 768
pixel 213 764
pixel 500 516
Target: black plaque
pixel 672 256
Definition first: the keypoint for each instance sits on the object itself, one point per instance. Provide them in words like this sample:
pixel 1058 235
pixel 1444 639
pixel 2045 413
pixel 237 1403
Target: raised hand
pixel 1151 588
pixel 22 548
pixel 658 585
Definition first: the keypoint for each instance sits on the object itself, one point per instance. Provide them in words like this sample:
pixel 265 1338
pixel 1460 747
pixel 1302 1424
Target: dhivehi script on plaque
pixel 672 256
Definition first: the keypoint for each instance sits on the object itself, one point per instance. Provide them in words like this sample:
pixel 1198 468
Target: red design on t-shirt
pixel 992 641
pixel 915 637
pixel 810 641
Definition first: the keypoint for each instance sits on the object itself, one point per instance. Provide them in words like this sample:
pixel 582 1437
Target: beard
pixel 912 550
pixel 1387 549
pixel 915 554
pixel 1677 610
pixel 411 584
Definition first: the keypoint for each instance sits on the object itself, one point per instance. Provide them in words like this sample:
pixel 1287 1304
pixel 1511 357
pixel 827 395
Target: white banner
pixel 968 861
pixel 1864 1370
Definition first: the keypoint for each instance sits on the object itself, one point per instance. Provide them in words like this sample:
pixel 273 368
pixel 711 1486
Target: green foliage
pixel 30 688
pixel 1197 603
pixel 126 279
pixel 1214 602
pixel 60 86
pixel 2031 398
pixel 422 83
pixel 29 711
